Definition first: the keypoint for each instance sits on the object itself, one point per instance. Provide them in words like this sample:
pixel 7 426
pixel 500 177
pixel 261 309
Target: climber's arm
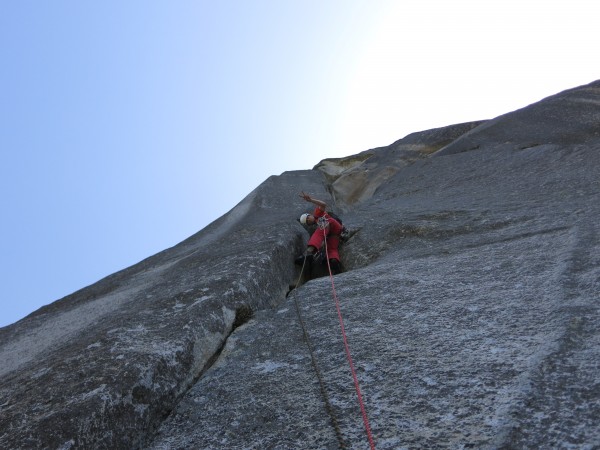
pixel 321 204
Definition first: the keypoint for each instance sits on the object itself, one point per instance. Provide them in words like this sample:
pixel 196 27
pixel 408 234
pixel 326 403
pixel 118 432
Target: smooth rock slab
pixel 470 305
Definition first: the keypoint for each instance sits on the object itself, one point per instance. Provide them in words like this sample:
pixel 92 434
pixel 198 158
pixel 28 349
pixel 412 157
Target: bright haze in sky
pixel 127 126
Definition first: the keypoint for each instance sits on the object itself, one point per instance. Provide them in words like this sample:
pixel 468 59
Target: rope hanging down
pixel 322 387
pixel 347 349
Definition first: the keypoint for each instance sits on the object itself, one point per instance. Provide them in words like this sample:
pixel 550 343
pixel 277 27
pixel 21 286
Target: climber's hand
pixel 306 197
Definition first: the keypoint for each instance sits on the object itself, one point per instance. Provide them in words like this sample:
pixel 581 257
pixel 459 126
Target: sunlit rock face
pixel 470 304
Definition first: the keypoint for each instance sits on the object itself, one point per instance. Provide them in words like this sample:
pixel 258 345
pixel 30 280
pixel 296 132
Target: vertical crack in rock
pixel 470 295
pixel 243 314
pixel 204 361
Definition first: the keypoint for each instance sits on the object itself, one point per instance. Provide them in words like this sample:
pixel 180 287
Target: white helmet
pixel 303 218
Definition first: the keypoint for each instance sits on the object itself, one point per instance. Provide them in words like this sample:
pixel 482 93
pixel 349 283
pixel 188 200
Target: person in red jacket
pixel 328 229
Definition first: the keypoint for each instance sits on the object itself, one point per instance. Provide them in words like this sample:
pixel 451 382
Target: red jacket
pixel 334 228
pixel 331 232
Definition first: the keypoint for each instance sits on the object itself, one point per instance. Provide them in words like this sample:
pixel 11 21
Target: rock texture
pixel 470 302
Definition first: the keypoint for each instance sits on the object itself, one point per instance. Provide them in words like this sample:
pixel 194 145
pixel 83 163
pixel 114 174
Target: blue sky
pixel 127 126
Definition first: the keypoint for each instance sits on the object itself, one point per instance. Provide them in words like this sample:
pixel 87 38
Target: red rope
pixel 347 348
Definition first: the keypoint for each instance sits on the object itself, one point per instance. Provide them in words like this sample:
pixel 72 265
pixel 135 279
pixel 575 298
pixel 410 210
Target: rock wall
pixel 469 302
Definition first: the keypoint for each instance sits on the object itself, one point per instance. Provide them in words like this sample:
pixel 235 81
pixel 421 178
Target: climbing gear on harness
pixel 345 234
pixel 322 222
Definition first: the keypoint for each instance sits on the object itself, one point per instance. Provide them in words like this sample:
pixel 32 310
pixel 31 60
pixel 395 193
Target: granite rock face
pixel 470 304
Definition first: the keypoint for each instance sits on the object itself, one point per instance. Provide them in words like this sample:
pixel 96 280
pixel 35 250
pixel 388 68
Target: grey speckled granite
pixel 470 301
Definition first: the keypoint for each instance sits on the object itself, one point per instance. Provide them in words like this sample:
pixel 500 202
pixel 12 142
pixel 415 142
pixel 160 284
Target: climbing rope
pixel 322 225
pixel 347 349
pixel 323 388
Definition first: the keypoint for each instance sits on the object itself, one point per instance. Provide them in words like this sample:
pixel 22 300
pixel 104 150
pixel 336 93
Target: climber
pixel 329 228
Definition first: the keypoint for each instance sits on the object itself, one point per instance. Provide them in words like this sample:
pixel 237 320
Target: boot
pixel 336 266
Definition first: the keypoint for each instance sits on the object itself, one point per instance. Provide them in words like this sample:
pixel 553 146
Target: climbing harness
pixel 322 386
pixel 322 223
